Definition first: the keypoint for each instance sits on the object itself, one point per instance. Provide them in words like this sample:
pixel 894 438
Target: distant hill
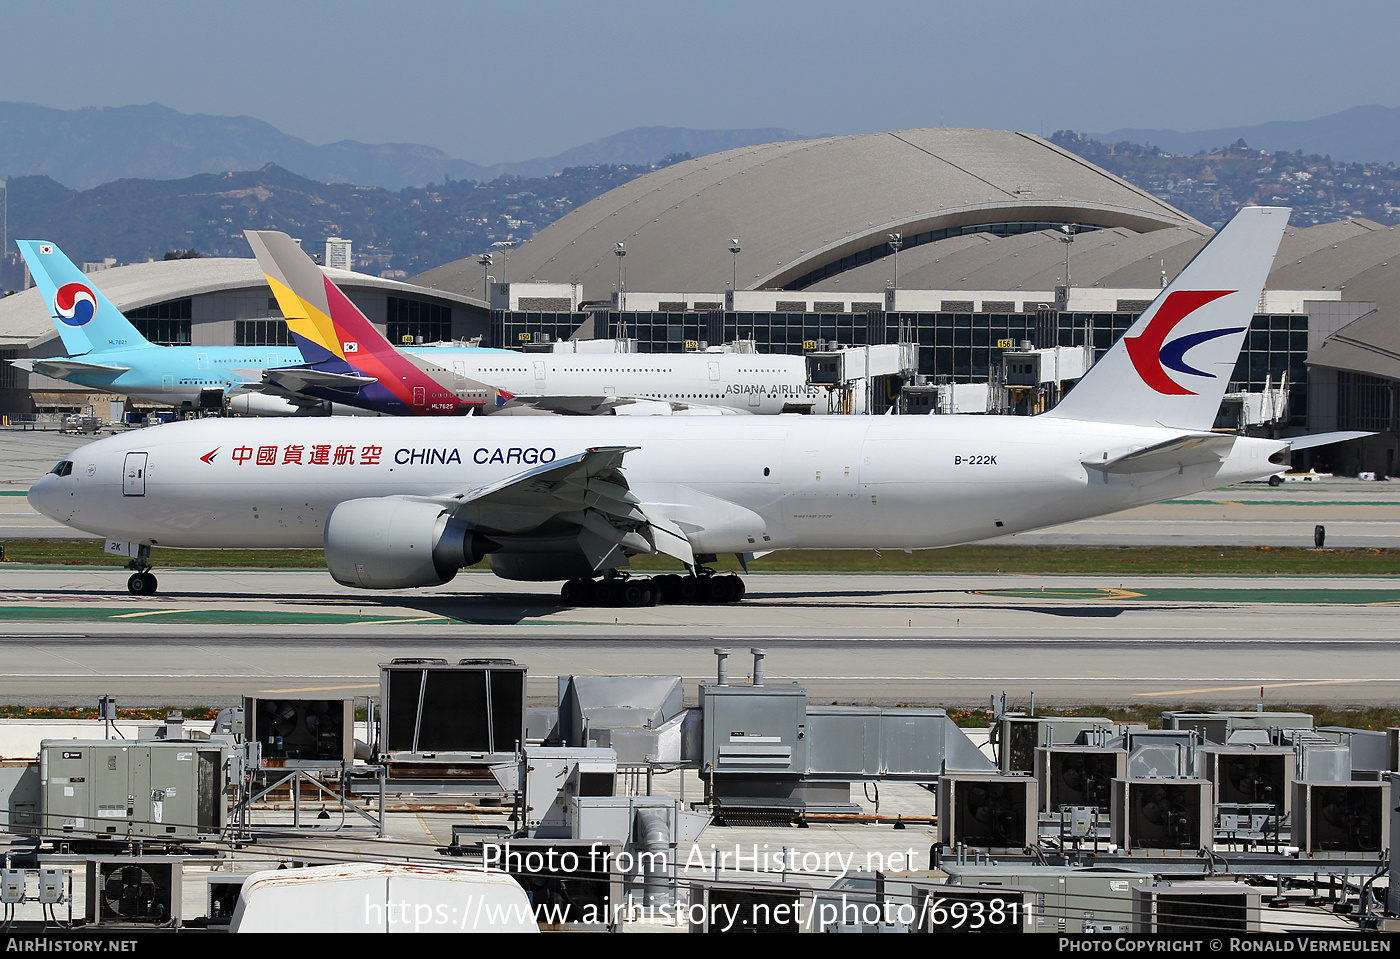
pixel 1211 185
pixel 85 148
pixel 395 233
pixel 1369 134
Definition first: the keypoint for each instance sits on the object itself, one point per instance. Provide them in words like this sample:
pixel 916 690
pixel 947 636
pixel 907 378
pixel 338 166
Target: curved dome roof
pixel 24 316
pixel 802 206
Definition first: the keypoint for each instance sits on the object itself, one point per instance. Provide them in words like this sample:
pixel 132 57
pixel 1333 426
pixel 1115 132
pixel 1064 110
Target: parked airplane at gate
pixel 401 504
pixel 105 352
pixel 351 363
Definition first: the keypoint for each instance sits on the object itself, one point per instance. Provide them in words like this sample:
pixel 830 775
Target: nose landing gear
pixel 143 581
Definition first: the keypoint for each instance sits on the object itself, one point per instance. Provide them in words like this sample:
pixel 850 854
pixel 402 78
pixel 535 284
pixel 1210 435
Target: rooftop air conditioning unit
pixel 991 812
pixel 1341 816
pixel 139 889
pixel 1163 814
pixel 1190 908
pixel 1246 775
pixel 750 907
pixel 1078 776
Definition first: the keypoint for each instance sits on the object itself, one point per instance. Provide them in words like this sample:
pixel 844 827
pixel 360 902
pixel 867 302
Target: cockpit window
pixel 63 468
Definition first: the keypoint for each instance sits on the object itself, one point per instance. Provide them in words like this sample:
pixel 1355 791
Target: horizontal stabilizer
pixel 296 379
pixel 1193 449
pixel 62 369
pixel 1296 443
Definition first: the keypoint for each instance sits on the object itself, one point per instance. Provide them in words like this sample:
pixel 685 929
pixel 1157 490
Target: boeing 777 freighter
pixel 402 504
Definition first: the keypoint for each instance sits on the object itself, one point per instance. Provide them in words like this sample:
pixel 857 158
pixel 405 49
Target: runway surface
pixel 73 634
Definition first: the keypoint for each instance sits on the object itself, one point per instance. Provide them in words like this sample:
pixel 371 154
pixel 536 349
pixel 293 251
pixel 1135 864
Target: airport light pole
pixel 734 276
pixel 619 252
pixel 1067 239
pixel 896 241
pixel 485 261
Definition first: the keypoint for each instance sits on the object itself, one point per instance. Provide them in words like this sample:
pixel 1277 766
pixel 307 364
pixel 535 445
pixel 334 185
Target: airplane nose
pixel 41 495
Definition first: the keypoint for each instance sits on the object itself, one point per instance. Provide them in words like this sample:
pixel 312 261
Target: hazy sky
pixel 504 81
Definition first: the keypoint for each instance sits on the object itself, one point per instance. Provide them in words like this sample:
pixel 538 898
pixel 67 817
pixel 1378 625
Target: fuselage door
pixel 714 371
pixel 134 475
pixel 201 361
pixel 420 395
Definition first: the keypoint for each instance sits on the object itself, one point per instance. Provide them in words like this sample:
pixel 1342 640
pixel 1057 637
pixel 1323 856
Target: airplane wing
pixel 295 379
pixel 1192 449
pixel 585 493
pixel 61 368
pixel 613 406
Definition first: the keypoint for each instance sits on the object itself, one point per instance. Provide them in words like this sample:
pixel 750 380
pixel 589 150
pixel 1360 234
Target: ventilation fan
pixel 1350 820
pixel 131 893
pixel 1084 780
pixel 1253 779
pixel 995 813
pixel 1168 810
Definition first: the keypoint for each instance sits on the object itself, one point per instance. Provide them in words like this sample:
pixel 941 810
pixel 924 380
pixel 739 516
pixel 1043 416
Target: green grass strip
pixel 1062 560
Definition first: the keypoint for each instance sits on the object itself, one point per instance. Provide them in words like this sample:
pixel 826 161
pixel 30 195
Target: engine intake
pixel 393 542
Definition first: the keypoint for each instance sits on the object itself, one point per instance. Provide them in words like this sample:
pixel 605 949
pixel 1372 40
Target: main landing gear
pixel 143 581
pixel 671 589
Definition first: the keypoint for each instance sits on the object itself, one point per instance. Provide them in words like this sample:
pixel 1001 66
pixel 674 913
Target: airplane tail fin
pixel 86 320
pixel 1173 365
pixel 322 320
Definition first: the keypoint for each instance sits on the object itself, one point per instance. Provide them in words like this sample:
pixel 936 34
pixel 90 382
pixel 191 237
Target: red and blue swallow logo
pixel 1152 354
pixel 75 304
pixel 209 456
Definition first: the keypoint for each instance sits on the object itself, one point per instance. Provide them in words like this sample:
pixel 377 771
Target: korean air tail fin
pixel 86 320
pixel 1173 365
pixel 323 321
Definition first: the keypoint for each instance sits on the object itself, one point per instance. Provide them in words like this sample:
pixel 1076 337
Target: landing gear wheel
pixel 575 592
pixel 688 590
pixel 141 584
pixel 635 593
pixel 667 588
pixel 603 592
pixel 739 589
pixel 722 589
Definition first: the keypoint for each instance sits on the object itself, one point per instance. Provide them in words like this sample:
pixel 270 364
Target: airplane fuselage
pixel 178 375
pixel 752 382
pixel 733 484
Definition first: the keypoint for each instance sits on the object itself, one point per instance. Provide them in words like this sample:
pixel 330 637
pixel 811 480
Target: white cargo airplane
pixel 406 503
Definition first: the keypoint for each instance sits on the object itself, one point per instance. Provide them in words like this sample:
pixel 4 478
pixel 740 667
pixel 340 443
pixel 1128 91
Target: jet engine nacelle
pixel 263 404
pixel 393 542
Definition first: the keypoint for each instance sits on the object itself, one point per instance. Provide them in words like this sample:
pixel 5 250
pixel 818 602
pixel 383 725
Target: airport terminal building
pixel 981 246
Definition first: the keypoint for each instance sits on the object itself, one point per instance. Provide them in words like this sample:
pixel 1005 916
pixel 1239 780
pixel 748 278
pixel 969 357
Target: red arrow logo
pixel 1145 350
pixel 209 456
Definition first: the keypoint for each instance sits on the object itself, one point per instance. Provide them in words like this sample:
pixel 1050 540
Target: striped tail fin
pixel 1173 365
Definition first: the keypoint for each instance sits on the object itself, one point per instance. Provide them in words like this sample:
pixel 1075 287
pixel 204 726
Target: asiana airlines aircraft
pixel 349 362
pixel 400 503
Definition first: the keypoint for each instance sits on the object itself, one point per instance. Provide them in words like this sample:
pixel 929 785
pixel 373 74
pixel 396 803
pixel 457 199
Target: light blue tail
pixel 86 320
